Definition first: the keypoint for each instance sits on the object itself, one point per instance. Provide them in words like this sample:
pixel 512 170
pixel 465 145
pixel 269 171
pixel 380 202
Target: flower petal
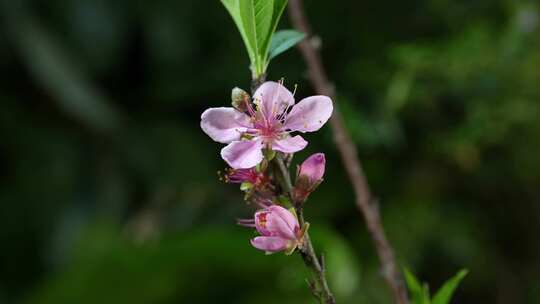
pixel 274 98
pixel 224 125
pixel 310 114
pixel 282 220
pixel 243 154
pixel 289 144
pixel 313 167
pixel 261 221
pixel 279 227
pixel 270 243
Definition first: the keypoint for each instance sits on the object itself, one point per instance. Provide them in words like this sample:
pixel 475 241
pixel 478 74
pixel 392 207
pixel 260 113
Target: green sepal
pixel 247 196
pixel 303 232
pixel 240 99
pixel 293 211
pixel 302 182
pixel 305 228
pixel 262 166
pixel 284 201
pixel 246 136
pixel 316 184
pixel 246 186
pixel 269 154
pixel 290 250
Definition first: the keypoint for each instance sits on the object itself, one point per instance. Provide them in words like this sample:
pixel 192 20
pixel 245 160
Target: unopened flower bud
pixel 240 99
pixel 310 175
pixel 253 182
pixel 239 176
pixel 278 228
pixel 313 167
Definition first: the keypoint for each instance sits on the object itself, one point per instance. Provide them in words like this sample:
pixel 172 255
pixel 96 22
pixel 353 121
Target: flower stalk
pixel 318 285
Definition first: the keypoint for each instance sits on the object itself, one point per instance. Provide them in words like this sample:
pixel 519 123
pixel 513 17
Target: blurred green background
pixel 109 192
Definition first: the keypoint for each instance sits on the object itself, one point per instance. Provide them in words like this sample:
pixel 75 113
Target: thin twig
pixel 364 199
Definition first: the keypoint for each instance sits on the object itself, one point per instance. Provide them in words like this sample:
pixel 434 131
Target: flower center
pixel 261 217
pixel 269 126
pixel 270 131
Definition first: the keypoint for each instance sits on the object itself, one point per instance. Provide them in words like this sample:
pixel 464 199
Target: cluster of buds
pixel 278 227
pixel 253 181
pixel 256 130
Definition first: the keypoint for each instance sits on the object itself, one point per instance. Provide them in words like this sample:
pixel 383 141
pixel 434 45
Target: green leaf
pixel 263 12
pixel 426 299
pixel 445 293
pixel 284 40
pixel 419 293
pixel 233 7
pixel 415 288
pixel 279 7
pixel 256 20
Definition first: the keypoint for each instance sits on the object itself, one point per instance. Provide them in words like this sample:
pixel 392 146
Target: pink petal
pixel 313 167
pixel 243 154
pixel 261 220
pixel 270 243
pixel 286 218
pixel 274 98
pixel 224 125
pixel 289 144
pixel 310 114
pixel 279 227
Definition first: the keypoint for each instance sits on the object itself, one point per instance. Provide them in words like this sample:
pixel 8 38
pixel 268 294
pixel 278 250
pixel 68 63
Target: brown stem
pixel 256 81
pixel 319 287
pixel 364 199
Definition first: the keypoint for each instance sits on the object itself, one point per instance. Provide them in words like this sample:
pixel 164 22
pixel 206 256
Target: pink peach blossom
pixel 268 125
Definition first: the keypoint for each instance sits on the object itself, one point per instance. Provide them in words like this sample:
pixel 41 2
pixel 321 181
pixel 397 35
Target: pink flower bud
pixel 313 168
pixel 309 176
pixel 278 227
pixel 238 176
